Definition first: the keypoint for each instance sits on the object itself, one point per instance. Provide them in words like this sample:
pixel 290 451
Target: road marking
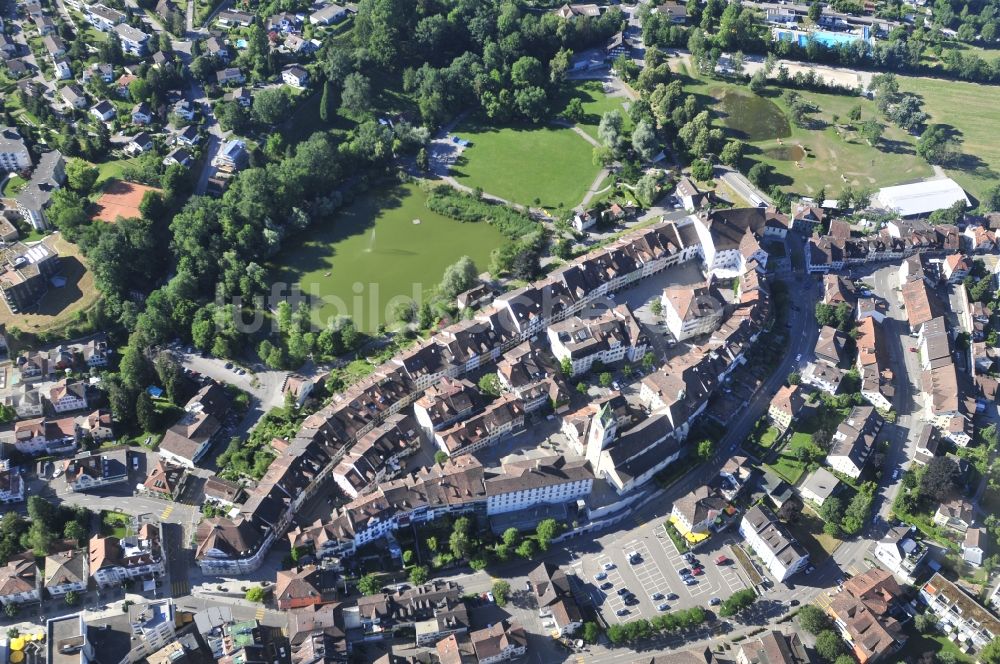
pixel 260 614
pixel 167 511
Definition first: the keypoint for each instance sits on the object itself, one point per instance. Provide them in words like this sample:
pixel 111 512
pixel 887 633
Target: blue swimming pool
pixel 826 38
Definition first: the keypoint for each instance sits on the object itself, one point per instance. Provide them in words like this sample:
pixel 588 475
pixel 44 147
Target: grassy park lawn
pixel 374 253
pixel 973 110
pixel 111 170
pixel 115 524
pixel 806 159
pixel 769 437
pixel 595 104
pixel 521 164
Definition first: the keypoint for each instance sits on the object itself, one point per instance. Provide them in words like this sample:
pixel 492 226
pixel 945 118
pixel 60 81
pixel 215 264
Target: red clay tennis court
pixel 121 199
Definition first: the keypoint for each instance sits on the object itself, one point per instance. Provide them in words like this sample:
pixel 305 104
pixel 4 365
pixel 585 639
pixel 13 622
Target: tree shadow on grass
pixel 892 146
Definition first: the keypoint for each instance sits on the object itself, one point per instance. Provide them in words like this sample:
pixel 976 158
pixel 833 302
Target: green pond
pixel 786 153
pixel 384 247
pixel 752 118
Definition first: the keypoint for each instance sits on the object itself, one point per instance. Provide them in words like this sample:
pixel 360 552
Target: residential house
pixel 165 480
pixel 568 11
pixel 957 514
pixel 283 22
pixel 228 17
pixel 67 571
pixel 140 143
pixel 771 647
pixel 178 157
pixel 93 470
pixel 188 136
pixel 975 545
pixel 54 46
pixel 241 96
pixel 233 155
pixel 609 337
pixel 101 70
pixel 20 580
pixel 26 401
pixel 831 347
pixel 328 14
pixel 692 311
pixel 696 514
pixel 112 561
pixel 187 441
pixel 295 76
pixel 554 594
pixel 583 220
pixel 615 47
pixel 785 406
pixel 44 25
pixel 502 418
pixel 183 109
pixel 142 114
pixel 863 611
pixel 962 617
pixel 502 641
pixel 901 552
pixel 62 69
pixel 854 441
pixel 229 76
pixel 68 395
pixel 74 95
pixel 781 553
pixel 41 436
pixel 217 48
pixel 104 18
pixel 133 40
pixel 11 483
pixel 526 485
pixel 818 486
pixel 303 586
pixel 104 110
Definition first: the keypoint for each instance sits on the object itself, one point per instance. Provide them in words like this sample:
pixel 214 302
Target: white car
pixel 798 358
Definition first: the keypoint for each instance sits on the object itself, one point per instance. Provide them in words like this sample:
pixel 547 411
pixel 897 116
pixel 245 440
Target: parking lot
pixel 656 572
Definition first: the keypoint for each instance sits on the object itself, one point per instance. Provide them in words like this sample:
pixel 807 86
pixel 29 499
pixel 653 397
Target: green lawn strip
pixel 14 185
pixel 787 468
pixel 521 164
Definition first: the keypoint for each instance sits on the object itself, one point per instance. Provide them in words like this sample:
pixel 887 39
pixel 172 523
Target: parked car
pixel 622 612
pixel 683 572
pixel 715 601
pixel 698 571
pixel 623 591
pixel 609 565
pixel 663 607
pixel 490 598
pixel 656 596
pixel 631 600
pixel 607 585
pixel 690 581
pixel 601 576
pixel 722 560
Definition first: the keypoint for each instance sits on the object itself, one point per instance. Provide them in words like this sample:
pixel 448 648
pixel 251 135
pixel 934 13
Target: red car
pixel 722 560
pixel 697 571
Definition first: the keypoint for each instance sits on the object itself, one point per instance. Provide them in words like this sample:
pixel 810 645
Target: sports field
pixel 521 164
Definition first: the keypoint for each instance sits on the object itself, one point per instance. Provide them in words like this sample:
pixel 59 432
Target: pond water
pixel 753 118
pixel 786 153
pixel 383 247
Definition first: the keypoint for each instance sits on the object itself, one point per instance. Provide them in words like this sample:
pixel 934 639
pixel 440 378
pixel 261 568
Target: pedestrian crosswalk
pixel 180 588
pixel 260 614
pixel 167 511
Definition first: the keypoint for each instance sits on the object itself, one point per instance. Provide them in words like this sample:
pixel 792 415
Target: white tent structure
pixel 920 198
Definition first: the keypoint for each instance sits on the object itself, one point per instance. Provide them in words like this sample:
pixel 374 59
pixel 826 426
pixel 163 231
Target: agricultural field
pixel 521 164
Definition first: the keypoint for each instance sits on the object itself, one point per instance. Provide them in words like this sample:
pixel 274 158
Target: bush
pixel 738 601
pixel 255 594
pixel 813 619
pixel 501 589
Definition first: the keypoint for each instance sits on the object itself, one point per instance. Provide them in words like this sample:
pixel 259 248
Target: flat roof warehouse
pixel 920 198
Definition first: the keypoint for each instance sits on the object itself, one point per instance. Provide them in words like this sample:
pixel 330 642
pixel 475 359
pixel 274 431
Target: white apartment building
pixel 781 554
pixel 961 616
pixel 610 337
pixel 691 311
pixel 527 484
pixel 901 553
